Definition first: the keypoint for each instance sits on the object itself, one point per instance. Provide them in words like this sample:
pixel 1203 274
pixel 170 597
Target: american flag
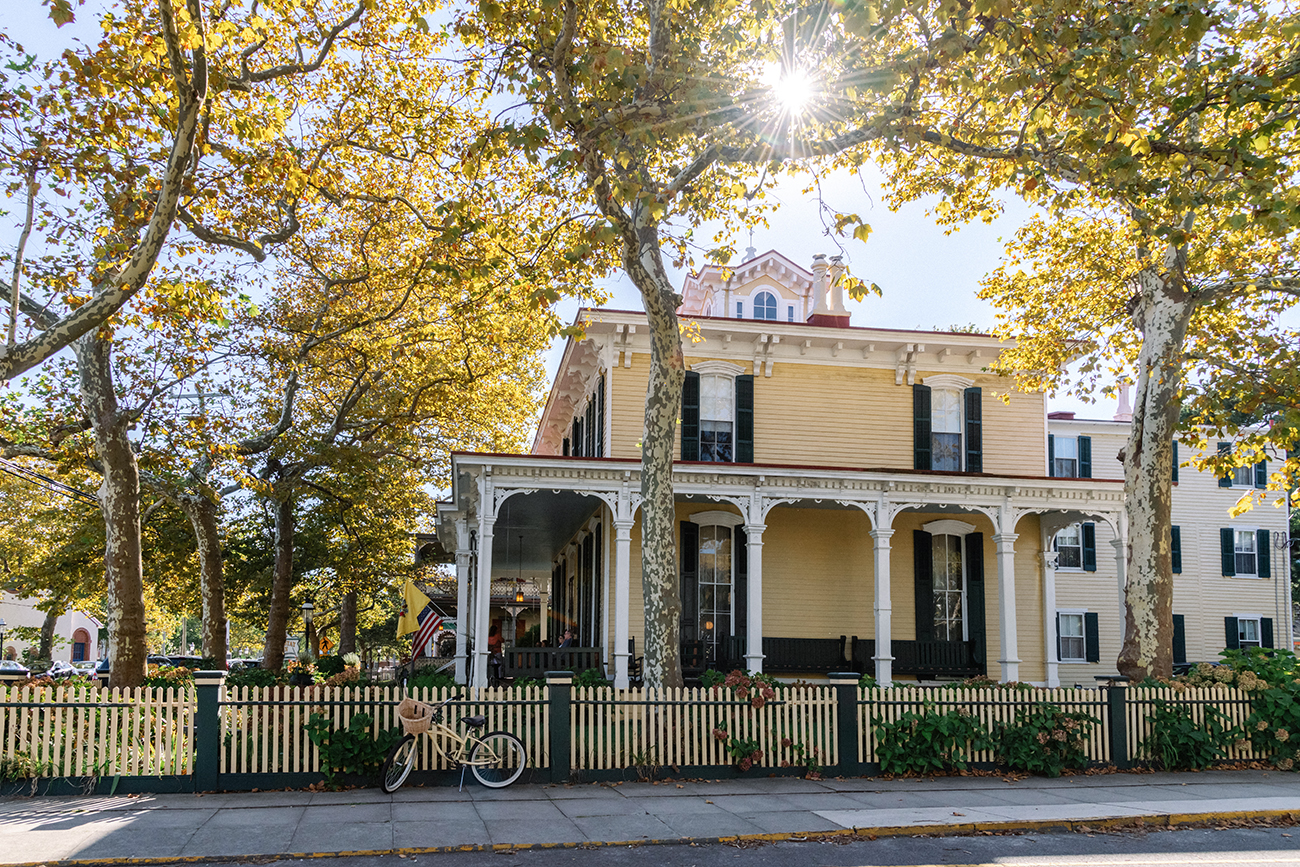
pixel 430 620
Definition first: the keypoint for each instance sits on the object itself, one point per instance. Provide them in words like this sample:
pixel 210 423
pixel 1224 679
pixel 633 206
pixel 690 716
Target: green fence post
pixel 207 730
pixel 559 688
pixel 1117 712
pixel 847 716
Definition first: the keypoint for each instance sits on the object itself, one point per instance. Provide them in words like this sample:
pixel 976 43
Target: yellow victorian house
pixel 847 498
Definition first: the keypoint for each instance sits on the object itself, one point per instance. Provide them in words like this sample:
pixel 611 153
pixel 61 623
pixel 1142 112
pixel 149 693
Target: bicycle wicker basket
pixel 416 716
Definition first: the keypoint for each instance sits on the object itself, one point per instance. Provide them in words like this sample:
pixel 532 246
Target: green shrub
pixel 928 741
pixel 164 676
pixel 590 677
pixel 1045 740
pixel 711 678
pixel 351 750
pixel 867 681
pixel 429 679
pixel 1178 742
pixel 255 677
pixel 330 665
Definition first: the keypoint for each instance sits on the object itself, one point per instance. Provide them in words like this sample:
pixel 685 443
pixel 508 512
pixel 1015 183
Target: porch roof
pixel 561 493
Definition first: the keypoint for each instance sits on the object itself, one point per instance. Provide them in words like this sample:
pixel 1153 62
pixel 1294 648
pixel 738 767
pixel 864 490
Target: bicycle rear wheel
pixel 498 759
pixel 398 765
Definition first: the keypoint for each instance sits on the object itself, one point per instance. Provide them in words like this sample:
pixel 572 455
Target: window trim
pixel 1254 544
pixel 1082 614
pixel 1259 629
pixel 1069 569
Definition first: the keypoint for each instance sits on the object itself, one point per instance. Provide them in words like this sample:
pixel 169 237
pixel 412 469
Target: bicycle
pixel 496 759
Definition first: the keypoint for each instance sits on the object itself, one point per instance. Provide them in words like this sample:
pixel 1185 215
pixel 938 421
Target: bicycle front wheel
pixel 498 759
pixel 397 767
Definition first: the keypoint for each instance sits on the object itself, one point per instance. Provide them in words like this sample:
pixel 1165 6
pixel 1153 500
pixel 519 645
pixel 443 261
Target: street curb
pixel 1162 820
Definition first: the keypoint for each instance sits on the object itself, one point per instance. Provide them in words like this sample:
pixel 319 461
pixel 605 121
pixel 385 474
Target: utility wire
pixel 41 481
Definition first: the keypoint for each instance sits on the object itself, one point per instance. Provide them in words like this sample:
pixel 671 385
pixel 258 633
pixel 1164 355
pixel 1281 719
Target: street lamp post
pixel 2 638
pixel 307 610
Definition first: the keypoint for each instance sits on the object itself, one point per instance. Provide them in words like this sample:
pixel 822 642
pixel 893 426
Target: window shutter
pixel 974 431
pixel 1231 640
pixel 600 417
pixel 691 417
pixel 1091 637
pixel 578 441
pixel 921 451
pixel 1261 474
pixel 1051 455
pixel 975 626
pixel 922 554
pixel 565 452
pixel 590 450
pixel 740 593
pixel 690 548
pixel 745 419
pixel 1227 551
pixel 1173 474
pixel 1176 549
pixel 1262 551
pixel 1225 481
pixel 1085 457
pixel 1266 632
pixel 1180 639
pixel 1089 539
pixel 1058 636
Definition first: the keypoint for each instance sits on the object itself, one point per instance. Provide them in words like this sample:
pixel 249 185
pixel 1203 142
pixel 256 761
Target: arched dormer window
pixel 947 416
pixel 717 413
pixel 765 306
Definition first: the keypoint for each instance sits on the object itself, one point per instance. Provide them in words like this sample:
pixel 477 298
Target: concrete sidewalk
pixel 158 828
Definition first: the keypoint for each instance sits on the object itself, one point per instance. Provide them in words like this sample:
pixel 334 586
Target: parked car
pixel 86 667
pixel 191 662
pixel 60 669
pixel 10 668
pixel 152 659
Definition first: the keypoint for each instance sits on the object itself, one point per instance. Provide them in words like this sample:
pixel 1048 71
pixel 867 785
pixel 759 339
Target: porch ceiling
pixel 545 520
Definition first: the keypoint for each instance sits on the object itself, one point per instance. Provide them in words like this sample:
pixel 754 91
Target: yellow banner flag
pixel 415 602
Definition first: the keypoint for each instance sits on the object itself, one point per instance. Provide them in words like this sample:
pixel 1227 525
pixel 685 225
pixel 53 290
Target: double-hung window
pixel 1248 632
pixel 947 432
pixel 717 418
pixel 1066 462
pixel 1070 629
pixel 1069 549
pixel 1244 554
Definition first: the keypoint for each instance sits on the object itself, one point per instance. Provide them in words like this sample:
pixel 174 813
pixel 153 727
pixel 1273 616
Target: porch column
pixel 483 599
pixel 754 598
pixel 1121 572
pixel 1006 553
pixel 1049 617
pixel 622 583
pixel 884 611
pixel 462 596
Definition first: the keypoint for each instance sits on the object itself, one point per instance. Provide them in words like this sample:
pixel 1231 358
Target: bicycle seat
pixel 474 722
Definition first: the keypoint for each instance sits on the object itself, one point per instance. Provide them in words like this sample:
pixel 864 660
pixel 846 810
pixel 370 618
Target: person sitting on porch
pixel 568 638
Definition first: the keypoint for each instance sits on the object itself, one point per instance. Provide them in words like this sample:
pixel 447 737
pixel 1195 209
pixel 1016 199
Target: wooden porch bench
pixel 536 661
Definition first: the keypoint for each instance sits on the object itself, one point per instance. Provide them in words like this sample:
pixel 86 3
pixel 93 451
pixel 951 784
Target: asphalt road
pixel 1264 846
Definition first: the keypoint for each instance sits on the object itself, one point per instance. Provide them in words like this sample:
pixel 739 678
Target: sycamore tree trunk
pixel 46 648
pixel 1162 313
pixel 643 262
pixel 348 623
pixel 202 514
pixel 119 501
pixel 277 619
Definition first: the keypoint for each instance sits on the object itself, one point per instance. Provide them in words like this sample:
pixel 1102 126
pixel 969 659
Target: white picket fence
pixel 626 729
pixel 88 732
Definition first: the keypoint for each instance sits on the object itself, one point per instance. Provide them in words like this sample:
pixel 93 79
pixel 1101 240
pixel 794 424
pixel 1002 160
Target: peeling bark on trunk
pixel 348 623
pixel 46 649
pixel 277 620
pixel 1162 314
pixel 663 607
pixel 119 500
pixel 202 514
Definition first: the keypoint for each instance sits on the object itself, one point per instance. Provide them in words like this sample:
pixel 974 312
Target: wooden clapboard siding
pixel 819 415
pixel 627 408
pixel 817 573
pixel 1096 592
pixel 1030 642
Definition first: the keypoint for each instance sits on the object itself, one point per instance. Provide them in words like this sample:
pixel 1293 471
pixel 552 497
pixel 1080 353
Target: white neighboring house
pixel 76 633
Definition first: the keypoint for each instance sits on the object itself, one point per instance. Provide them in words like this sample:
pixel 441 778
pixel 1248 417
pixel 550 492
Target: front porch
pixel 778 565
